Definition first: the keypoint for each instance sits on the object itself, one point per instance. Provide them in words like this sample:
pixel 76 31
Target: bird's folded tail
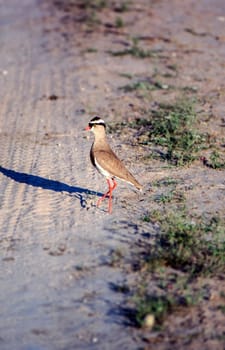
pixel 135 183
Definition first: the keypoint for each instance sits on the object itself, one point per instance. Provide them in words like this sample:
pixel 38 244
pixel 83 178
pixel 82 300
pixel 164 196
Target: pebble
pixel 149 321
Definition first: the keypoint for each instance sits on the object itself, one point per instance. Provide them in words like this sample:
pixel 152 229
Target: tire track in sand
pixel 53 249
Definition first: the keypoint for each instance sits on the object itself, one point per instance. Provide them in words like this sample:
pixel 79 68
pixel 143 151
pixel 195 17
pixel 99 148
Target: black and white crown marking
pixel 96 121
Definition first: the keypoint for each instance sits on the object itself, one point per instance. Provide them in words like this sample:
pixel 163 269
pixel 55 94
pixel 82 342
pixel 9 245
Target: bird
pixel 106 161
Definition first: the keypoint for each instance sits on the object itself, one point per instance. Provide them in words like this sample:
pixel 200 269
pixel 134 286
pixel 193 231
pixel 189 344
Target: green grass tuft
pixel 145 85
pixel 172 127
pixel 119 22
pixel 216 161
pixel 185 250
pixel 136 51
pixel 159 306
pixel 196 248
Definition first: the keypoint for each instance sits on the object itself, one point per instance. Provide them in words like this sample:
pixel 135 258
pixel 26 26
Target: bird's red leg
pixel 111 188
pixel 112 185
pixel 110 198
pixel 102 198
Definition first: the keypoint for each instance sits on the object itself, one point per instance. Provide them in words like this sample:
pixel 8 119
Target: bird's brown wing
pixel 109 161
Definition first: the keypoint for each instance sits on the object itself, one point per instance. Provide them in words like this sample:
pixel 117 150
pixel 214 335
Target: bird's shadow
pixel 47 184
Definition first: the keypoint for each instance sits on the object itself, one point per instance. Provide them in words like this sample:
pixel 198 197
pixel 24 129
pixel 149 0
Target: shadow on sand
pixel 47 184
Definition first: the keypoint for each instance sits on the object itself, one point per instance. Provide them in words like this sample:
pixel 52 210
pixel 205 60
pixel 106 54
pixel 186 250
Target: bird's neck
pixel 100 141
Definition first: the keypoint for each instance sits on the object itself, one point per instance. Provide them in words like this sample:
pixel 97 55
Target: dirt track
pixel 56 279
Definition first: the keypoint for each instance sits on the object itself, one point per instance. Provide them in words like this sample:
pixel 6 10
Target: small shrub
pixel 184 245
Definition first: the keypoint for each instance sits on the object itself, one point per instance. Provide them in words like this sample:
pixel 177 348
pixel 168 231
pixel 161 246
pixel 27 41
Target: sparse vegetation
pixel 197 248
pixel 172 127
pixel 119 22
pixel 159 306
pixel 172 195
pixel 91 50
pixel 90 11
pixel 222 308
pixel 96 4
pixel 144 85
pixel 186 248
pixel 176 295
pixel 126 75
pixel 216 160
pixel 122 6
pixel 190 89
pixel 136 51
pixel 168 181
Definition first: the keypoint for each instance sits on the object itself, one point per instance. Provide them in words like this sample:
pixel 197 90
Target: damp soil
pixel 64 262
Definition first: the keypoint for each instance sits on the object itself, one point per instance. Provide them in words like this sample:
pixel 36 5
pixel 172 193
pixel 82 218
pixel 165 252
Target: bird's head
pixel 96 123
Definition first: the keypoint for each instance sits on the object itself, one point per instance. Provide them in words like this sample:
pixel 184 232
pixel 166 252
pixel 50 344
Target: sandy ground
pixel 56 246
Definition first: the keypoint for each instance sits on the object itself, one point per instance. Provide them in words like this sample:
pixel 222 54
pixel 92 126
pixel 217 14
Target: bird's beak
pixel 87 128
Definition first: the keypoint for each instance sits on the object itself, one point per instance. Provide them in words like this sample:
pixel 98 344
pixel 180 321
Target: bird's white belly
pixel 101 170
